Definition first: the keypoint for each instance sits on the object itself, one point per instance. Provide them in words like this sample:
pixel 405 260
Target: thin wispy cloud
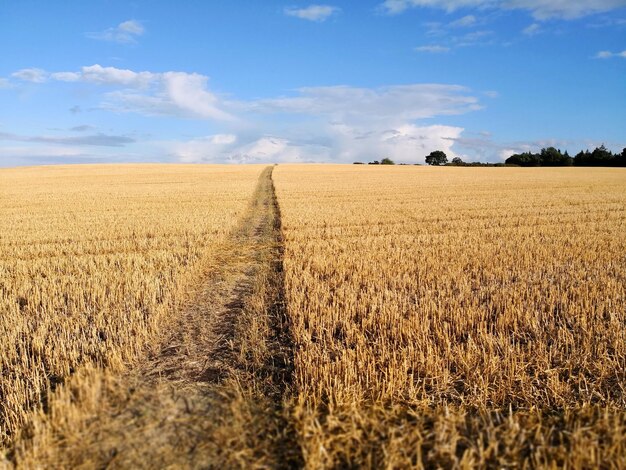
pixel 126 32
pixel 464 22
pixel 399 102
pixel 101 140
pixel 610 55
pixel 82 128
pixel 532 29
pixel 33 75
pixel 316 13
pixel 540 9
pixel 433 49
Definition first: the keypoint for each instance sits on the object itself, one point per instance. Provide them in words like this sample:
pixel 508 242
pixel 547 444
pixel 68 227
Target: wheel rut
pixel 215 393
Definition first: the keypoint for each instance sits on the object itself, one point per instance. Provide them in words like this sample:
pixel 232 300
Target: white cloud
pixel 202 149
pixel 338 123
pixel 108 76
pixel 220 148
pixel 188 91
pixel 312 12
pixel 66 76
pixel 331 123
pixel 343 143
pixel 407 142
pixel 168 93
pixel 4 83
pixel 610 55
pixel 124 33
pixel 540 9
pixel 400 102
pixel 532 29
pixel 432 49
pixel 31 75
pixel 100 140
pixel 464 22
pixel 474 38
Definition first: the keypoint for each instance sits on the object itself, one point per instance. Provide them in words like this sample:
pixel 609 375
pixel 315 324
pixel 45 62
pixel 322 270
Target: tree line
pixel 551 156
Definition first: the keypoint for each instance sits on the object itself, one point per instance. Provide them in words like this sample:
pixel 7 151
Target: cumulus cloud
pixel 434 49
pixel 540 9
pixel 31 75
pixel 341 124
pixel 610 55
pixel 330 123
pixel 126 32
pixel 336 142
pixel 317 13
pixel 406 142
pixel 108 76
pixel 220 148
pixel 168 93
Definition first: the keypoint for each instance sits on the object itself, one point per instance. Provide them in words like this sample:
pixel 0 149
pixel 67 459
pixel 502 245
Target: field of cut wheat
pixel 317 316
pixel 93 261
pixel 457 317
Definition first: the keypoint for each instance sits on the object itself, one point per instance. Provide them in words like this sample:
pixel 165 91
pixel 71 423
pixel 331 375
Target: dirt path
pixel 214 394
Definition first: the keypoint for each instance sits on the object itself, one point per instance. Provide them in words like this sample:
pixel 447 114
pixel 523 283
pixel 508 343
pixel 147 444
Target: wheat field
pixel 417 317
pixel 457 317
pixel 93 260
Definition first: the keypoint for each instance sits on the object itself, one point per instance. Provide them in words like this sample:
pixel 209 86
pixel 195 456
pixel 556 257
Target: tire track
pixel 216 393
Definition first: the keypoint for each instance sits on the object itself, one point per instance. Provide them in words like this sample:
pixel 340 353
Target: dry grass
pixel 93 262
pixel 457 317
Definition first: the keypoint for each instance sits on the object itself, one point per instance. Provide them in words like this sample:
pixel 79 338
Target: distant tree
pixel 554 157
pixel 358 163
pixel 457 161
pixel 437 158
pixel 601 156
pixel 524 159
pixel 583 158
pixel 375 162
pixel 620 159
pixel 387 161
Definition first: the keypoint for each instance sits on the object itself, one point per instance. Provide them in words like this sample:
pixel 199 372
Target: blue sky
pixel 273 81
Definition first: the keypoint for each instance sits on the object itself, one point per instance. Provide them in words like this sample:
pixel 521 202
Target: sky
pixel 245 81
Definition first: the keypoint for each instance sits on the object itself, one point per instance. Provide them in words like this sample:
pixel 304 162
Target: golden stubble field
pixel 93 260
pixel 457 316
pixel 437 317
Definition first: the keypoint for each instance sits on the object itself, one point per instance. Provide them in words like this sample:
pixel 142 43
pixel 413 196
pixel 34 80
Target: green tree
pixel 457 161
pixel 387 161
pixel 437 158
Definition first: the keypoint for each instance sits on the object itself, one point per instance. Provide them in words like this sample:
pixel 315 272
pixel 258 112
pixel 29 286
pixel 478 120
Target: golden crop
pixel 457 316
pixel 435 317
pixel 93 260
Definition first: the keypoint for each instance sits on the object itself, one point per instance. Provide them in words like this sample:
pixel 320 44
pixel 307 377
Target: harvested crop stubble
pixel 93 261
pixel 457 316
